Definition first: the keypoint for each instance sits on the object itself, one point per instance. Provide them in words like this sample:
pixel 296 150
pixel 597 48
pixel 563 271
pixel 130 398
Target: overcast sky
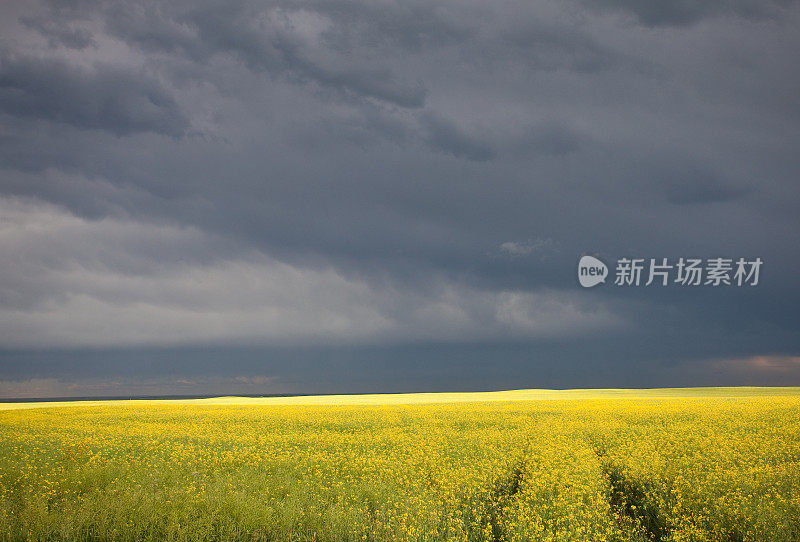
pixel 345 196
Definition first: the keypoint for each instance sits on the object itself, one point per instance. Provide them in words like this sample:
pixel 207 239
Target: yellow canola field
pixel 584 465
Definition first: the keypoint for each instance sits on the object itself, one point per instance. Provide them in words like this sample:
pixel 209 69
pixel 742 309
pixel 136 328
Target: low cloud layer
pixel 77 282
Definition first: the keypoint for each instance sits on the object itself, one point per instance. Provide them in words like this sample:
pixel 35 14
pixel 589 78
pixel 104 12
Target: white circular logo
pixel 591 271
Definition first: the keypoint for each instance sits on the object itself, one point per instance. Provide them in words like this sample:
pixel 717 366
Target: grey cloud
pixel 540 248
pixel 383 175
pixel 264 38
pixel 411 26
pixel 548 46
pixel 365 129
pixel 24 148
pixel 430 131
pixel 547 138
pixel 698 189
pixel 373 83
pixel 446 136
pixel 60 34
pixel 682 180
pixel 106 97
pixel 132 386
pixel 686 12
pixel 345 47
pixel 136 285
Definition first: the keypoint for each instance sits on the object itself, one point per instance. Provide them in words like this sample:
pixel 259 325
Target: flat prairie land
pixel 694 464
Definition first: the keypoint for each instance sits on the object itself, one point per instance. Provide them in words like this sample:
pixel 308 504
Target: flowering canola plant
pixel 596 467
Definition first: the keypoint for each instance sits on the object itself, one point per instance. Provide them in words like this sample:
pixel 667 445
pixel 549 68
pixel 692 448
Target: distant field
pixel 422 398
pixel 701 464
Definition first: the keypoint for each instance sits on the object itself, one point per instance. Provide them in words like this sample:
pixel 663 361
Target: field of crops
pixel 693 465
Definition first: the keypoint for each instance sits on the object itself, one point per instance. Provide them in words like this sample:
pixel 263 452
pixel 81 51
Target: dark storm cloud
pixel 264 40
pixel 410 26
pixel 554 45
pixel 105 97
pixel 548 138
pixel 59 34
pixel 389 175
pixel 446 136
pixel 685 12
pixel 697 187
